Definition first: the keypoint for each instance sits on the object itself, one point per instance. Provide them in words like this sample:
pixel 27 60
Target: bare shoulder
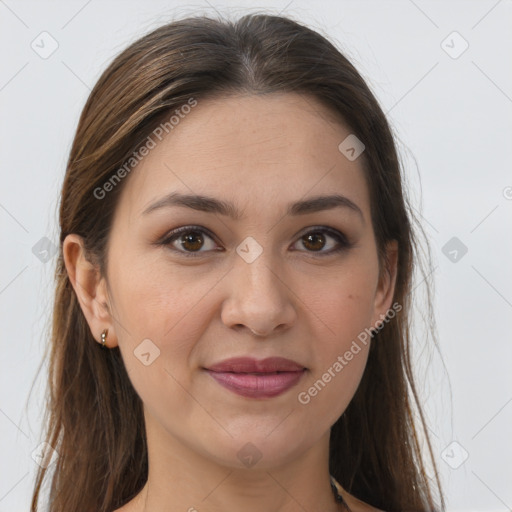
pixel 124 508
pixel 136 504
pixel 355 504
pixel 360 506
pixel 131 506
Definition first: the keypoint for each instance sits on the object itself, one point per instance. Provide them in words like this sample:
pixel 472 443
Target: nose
pixel 258 298
pixel 256 332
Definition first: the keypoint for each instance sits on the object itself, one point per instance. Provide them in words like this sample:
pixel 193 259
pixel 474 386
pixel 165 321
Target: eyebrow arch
pixel 212 205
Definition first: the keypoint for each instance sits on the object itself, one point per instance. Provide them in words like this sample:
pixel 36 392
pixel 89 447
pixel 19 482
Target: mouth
pixel 253 378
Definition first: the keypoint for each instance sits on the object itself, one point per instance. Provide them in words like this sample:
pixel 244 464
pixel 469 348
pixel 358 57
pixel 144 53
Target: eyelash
pixel 343 243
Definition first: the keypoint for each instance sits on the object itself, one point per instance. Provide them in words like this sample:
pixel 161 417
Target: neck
pixel 182 479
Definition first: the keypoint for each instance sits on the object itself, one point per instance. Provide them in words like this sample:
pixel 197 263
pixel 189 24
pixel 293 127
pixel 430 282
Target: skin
pixel 261 153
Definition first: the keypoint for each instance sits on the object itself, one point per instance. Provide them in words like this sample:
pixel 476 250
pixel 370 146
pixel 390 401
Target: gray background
pixel 451 111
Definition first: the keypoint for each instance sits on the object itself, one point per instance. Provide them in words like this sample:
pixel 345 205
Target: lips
pixel 254 378
pixel 251 365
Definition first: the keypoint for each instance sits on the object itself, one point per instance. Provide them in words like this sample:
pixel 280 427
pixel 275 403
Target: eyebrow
pixel 212 205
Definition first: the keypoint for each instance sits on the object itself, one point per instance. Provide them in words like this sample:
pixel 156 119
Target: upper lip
pixel 252 365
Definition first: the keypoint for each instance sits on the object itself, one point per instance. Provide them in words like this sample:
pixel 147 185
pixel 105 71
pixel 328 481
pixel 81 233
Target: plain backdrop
pixel 442 73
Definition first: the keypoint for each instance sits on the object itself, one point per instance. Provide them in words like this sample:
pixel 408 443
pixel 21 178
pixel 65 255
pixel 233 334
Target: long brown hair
pixel 94 418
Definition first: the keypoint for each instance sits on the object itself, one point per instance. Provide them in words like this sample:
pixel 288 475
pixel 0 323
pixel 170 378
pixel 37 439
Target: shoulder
pixel 353 503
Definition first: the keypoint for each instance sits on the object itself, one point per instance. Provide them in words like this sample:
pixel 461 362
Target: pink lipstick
pixel 254 378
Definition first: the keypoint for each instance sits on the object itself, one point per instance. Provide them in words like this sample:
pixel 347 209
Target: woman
pixel 233 288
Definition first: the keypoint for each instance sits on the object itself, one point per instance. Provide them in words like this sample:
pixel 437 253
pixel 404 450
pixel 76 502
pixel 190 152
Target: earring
pixel 104 338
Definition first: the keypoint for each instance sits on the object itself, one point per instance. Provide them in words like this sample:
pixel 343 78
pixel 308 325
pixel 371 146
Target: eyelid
pixel 340 237
pixel 326 229
pixel 175 233
pixel 343 241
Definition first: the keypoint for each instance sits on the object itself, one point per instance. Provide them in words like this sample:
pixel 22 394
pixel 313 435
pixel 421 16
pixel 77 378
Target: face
pixel 300 283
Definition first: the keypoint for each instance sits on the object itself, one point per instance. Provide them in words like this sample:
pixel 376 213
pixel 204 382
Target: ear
pixel 386 286
pixel 90 289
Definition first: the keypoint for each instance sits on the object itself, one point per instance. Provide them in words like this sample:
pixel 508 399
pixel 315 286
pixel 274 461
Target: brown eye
pixel 316 240
pixel 189 241
pixel 195 241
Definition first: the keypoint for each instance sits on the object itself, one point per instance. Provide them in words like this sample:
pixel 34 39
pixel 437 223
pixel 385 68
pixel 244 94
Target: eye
pixel 317 239
pixel 188 240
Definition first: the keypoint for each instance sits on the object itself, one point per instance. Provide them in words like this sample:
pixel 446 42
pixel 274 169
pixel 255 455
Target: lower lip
pixel 257 386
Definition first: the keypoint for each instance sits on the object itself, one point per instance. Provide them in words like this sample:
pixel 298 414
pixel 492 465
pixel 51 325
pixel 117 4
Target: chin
pixel 259 448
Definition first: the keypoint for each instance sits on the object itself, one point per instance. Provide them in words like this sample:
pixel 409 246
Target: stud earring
pixel 104 338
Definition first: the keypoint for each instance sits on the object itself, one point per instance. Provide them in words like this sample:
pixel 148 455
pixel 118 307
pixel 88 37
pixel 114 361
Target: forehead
pixel 251 150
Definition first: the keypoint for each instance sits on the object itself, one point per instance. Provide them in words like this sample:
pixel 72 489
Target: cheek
pixel 344 303
pixel 344 313
pixel 339 359
pixel 341 347
pixel 168 307
pixel 324 397
pixel 155 299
